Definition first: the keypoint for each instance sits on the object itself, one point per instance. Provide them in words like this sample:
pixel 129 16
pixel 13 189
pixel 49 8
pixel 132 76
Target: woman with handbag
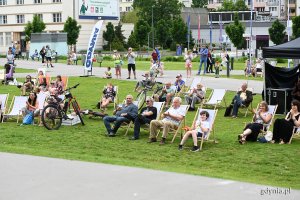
pixel 32 106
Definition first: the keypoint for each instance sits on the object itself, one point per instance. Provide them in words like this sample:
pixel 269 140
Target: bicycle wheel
pixel 51 117
pixel 141 97
pixel 77 111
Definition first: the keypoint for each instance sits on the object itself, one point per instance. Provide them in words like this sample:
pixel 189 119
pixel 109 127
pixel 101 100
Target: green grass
pixel 21 70
pixel 270 164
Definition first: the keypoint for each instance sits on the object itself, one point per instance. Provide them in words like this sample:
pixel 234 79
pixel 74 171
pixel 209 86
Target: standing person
pixel 117 62
pixel 154 56
pixel 203 59
pixel 217 69
pixel 146 115
pixel 43 54
pixel 224 59
pixel 10 57
pixel 188 63
pixel 48 55
pixel 131 62
pixel 209 63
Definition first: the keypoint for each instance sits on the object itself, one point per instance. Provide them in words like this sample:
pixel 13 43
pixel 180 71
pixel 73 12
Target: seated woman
pixel 59 84
pixel 109 94
pixel 283 128
pixel 43 86
pixel 251 131
pixel 199 129
pixel 40 77
pixel 27 85
pixel 32 105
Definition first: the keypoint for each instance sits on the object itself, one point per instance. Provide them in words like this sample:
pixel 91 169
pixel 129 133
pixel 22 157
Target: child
pixel 188 63
pixel 199 129
pixel 217 69
pixel 107 73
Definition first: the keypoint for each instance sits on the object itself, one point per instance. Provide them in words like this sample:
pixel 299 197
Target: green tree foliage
pixel 109 34
pixel 72 30
pixel 240 5
pixel 199 3
pixel 36 26
pixel 179 31
pixel 141 31
pixel 235 32
pixel 119 33
pixel 277 32
pixel 163 32
pixel 296 26
pixel 132 41
pixel 229 5
pixel 129 17
pixel 117 44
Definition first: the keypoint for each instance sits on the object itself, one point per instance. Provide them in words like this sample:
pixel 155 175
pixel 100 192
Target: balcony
pixel 273 3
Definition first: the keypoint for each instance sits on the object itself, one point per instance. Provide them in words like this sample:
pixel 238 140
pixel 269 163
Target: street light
pixel 152 29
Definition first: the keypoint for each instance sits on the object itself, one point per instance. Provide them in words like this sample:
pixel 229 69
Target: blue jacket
pixel 203 52
pixel 131 110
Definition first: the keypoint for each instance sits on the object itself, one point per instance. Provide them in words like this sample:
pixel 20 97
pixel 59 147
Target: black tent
pixel 290 50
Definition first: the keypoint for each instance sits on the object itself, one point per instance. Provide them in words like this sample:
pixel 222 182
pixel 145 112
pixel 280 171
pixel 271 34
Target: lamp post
pixel 288 25
pixel 152 28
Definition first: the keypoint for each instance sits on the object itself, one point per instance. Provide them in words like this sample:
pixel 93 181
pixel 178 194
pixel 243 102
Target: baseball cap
pixel 178 75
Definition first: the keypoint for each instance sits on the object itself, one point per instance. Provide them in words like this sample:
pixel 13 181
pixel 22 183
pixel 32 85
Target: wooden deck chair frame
pixel 65 80
pixel 215 98
pixel 296 134
pixel 3 100
pixel 211 119
pixel 41 97
pixel 12 106
pixel 181 123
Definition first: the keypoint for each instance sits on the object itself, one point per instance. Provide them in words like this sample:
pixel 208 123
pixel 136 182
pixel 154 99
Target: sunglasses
pixel 147 101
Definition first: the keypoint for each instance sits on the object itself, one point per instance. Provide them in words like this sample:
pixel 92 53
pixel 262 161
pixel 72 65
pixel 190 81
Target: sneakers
pixel 133 138
pixel 128 78
pixel 111 134
pixel 195 149
pixel 191 109
pixel 152 140
pixel 163 141
pixel 180 147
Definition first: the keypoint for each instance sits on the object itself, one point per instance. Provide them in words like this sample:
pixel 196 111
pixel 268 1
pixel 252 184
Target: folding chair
pixel 216 97
pixel 296 134
pixel 3 101
pixel 41 97
pixel 2 75
pixel 15 107
pixel 116 99
pixel 65 80
pixel 249 107
pixel 181 123
pixel 211 121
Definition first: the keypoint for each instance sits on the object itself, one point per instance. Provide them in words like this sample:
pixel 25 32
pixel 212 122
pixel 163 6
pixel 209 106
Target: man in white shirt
pixel 172 119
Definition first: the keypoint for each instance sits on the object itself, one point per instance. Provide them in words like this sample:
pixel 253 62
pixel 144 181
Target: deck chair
pixel 126 125
pixel 211 121
pixel 182 123
pixel 65 80
pixel 194 83
pixel 249 107
pixel 216 97
pixel 2 75
pixel 41 97
pixel 15 107
pixel 116 99
pixel 3 101
pixel 296 134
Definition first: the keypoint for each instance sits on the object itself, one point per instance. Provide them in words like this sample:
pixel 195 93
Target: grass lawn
pixel 21 70
pixel 271 164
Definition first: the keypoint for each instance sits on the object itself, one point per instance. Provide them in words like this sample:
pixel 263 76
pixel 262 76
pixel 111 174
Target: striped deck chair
pixel 15 107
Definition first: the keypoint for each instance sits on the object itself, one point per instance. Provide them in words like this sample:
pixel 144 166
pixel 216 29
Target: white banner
pixel 91 45
pixel 99 9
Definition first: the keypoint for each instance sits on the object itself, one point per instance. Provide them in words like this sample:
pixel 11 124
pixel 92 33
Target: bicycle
pixel 141 97
pixel 53 113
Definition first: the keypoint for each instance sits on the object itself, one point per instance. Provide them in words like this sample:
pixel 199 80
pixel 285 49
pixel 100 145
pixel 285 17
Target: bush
pixel 281 60
pixel 108 58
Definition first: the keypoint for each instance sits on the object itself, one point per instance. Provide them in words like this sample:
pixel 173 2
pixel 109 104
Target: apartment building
pixel 126 5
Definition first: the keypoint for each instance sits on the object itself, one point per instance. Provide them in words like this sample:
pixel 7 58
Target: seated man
pixel 122 114
pixel 147 82
pixel 146 115
pixel 242 98
pixel 172 118
pixel 179 83
pixel 109 95
pixel 35 54
pixel 166 95
pixel 196 95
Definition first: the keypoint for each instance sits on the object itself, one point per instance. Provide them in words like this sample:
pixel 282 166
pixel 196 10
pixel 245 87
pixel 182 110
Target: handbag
pixel 28 119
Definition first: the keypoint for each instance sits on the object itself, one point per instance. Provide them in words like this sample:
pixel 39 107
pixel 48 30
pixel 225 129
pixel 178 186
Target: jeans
pixel 137 124
pixel 202 61
pixel 237 102
pixel 118 121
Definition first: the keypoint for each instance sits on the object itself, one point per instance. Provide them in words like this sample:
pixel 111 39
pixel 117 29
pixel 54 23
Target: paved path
pixel 77 70
pixel 26 177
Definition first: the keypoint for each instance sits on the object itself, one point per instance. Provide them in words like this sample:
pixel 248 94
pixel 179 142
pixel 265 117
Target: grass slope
pixel 270 164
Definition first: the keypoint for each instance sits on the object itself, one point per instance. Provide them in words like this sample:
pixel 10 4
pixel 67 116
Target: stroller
pixel 9 73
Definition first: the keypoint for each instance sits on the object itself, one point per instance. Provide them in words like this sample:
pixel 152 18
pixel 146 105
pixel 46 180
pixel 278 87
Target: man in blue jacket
pixel 126 113
pixel 203 59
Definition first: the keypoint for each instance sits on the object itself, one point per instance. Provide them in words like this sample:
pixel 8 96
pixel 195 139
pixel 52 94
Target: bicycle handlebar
pixel 75 86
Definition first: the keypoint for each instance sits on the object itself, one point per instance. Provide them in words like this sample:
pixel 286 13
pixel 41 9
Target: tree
pixel 296 26
pixel 72 30
pixel 277 32
pixel 179 31
pixel 199 3
pixel 109 34
pixel 119 33
pixel 163 32
pixel 117 44
pixel 141 30
pixel 227 5
pixel 36 26
pixel 235 32
pixel 240 5
pixel 129 17
pixel 132 41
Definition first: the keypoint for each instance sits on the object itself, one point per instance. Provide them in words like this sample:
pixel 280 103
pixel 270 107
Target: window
pixel 128 9
pixel 3 2
pixel 20 19
pixel 1 39
pixel 37 1
pixel 40 16
pixel 56 17
pixel 3 19
pixel 120 9
pixel 56 1
pixel 7 38
pixel 20 2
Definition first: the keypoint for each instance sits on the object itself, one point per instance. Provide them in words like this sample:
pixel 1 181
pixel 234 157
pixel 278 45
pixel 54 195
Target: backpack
pixel 28 119
pixel 228 110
